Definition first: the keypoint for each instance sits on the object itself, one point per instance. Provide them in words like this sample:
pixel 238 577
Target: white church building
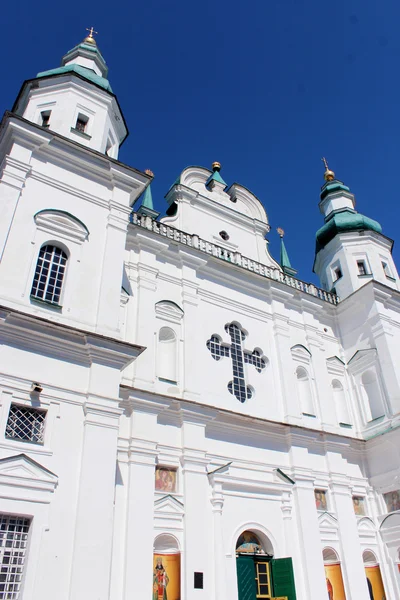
pixel 181 417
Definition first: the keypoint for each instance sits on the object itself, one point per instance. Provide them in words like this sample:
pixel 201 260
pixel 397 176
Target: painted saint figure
pixel 165 479
pixel 160 581
pixel 330 589
pixel 249 542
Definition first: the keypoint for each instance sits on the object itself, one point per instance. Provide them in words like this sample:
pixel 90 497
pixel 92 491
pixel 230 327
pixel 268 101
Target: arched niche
pixel 167 355
pixel 166 543
pixel 253 542
pixel 333 574
pixel 330 556
pixel 373 575
pixel 339 399
pixel 372 395
pixel 166 567
pixel 304 391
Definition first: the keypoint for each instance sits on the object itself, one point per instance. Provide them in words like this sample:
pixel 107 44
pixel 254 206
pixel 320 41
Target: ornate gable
pixel 22 472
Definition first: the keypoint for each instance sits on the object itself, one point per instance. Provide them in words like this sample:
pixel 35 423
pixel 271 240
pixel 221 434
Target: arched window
pixel 167 355
pixel 49 274
pixel 304 390
pixel 339 399
pixel 372 395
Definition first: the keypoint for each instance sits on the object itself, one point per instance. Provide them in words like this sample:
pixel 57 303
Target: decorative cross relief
pixel 238 386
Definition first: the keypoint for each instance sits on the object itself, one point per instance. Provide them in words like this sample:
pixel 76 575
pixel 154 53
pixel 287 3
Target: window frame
pixel 37 275
pixel 25 408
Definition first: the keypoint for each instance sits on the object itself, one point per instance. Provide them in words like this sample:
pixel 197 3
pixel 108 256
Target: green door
pixel 282 578
pixel 246 576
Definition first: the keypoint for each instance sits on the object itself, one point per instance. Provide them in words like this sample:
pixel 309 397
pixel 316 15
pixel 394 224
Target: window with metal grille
pixel 25 424
pixel 13 541
pixel 49 274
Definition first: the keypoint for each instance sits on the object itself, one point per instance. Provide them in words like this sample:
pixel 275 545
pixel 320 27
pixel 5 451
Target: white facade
pixel 180 343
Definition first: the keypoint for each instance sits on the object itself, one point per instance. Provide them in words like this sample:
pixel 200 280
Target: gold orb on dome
pixel 90 40
pixel 149 172
pixel 216 166
pixel 329 175
pixel 281 232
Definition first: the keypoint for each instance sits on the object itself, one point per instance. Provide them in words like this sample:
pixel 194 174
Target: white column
pixel 352 561
pixel 90 578
pixel 140 504
pixel 111 271
pixel 285 367
pixel 292 547
pixel 12 183
pixel 310 539
pixel 198 556
pixel 217 502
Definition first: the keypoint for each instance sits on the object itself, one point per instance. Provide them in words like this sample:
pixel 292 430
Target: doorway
pixel 260 576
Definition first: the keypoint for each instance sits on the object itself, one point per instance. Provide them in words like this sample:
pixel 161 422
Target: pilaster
pixel 90 578
pixel 310 540
pixel 352 562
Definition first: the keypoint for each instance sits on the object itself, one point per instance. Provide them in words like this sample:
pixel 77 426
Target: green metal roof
pixel 343 222
pixel 284 259
pixel 86 73
pixel 147 200
pixel 215 177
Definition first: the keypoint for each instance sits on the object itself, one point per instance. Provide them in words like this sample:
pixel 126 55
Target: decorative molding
pixel 61 223
pixel 234 258
pixel 23 472
pixel 335 366
pixel 169 311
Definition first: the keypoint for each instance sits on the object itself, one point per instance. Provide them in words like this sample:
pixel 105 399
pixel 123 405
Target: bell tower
pixel 350 247
pixel 76 100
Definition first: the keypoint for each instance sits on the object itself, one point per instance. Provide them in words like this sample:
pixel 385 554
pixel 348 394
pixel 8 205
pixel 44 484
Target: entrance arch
pixel 166 568
pixel 259 574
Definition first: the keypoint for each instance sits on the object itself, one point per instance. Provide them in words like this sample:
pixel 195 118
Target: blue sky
pixel 267 87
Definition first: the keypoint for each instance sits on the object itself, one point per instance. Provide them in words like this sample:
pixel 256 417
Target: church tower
pixel 76 100
pixel 66 197
pixel 350 247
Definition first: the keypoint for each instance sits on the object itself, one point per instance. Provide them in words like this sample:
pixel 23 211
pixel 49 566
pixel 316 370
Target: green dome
pixel 344 222
pixel 83 71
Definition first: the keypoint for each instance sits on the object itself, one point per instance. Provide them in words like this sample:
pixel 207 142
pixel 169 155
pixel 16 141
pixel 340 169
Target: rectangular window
pixel 362 268
pixel 263 582
pixel 81 123
pixel 337 273
pixel 25 424
pixel 386 270
pixel 13 541
pixel 45 116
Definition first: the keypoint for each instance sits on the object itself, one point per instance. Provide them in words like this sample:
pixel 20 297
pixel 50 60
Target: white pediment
pixel 361 360
pixel 327 521
pixel 300 353
pixel 22 471
pixel 168 505
pixel 366 524
pixel 335 366
pixel 169 311
pixel 62 224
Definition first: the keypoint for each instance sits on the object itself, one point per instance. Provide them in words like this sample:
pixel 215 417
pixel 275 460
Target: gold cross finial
pixel 328 175
pixel 91 31
pixel 90 39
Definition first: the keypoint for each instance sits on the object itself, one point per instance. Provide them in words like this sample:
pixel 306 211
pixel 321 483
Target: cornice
pixel 64 341
pixel 108 169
